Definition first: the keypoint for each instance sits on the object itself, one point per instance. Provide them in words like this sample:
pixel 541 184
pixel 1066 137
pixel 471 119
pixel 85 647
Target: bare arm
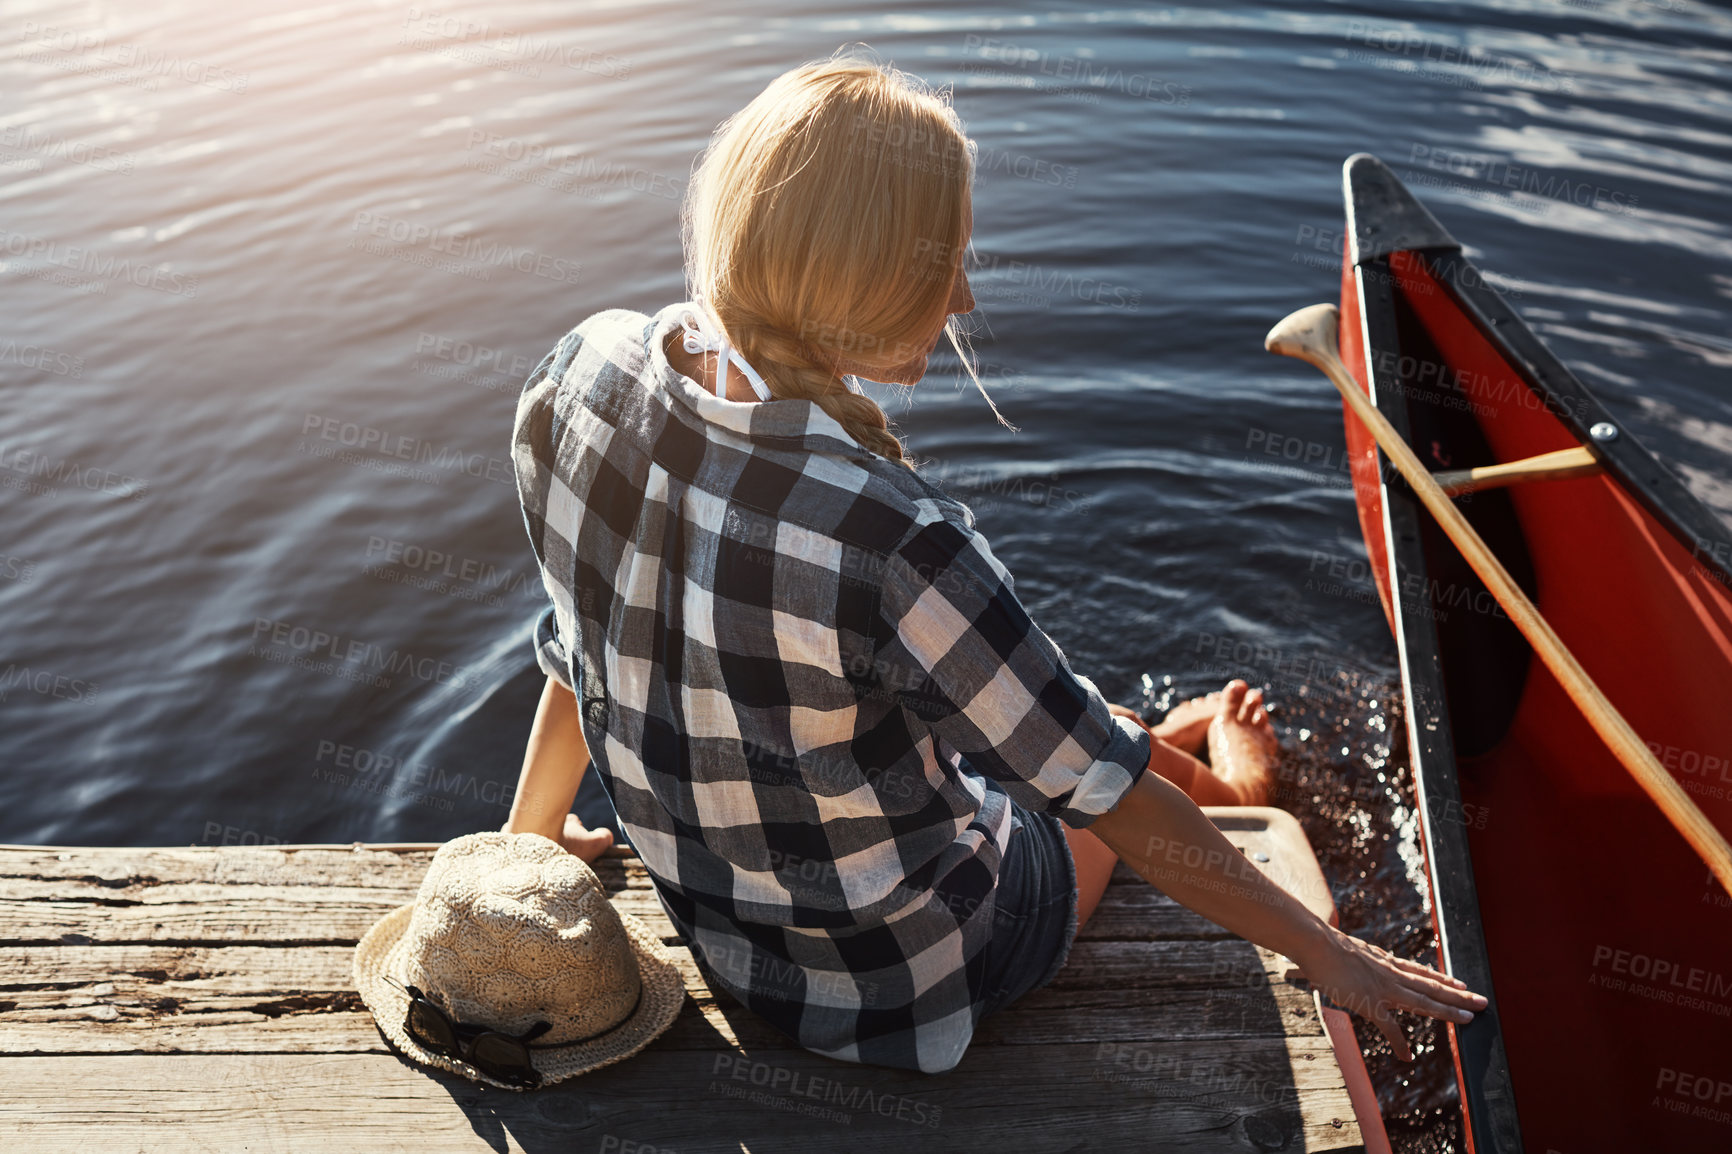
pixel 1161 834
pixel 553 769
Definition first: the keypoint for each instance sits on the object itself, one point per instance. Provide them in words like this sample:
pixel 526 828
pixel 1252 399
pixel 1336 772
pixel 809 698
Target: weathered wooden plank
pixel 37 975
pixel 1157 1017
pixel 1231 1096
pixel 249 865
pixel 1162 1032
pixel 1158 965
pixel 211 914
pixel 177 913
pixel 327 896
pixel 331 1031
pixel 180 971
pixel 231 998
pixel 1147 922
pixel 242 998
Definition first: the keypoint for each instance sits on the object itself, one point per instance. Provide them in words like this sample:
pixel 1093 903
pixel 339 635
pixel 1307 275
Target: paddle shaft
pixel 1601 714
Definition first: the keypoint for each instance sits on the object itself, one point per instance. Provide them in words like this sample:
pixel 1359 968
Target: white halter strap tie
pixel 701 336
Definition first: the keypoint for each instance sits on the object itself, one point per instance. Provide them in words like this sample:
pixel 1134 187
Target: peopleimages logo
pixel 460 246
pixel 404 447
pixel 46 683
pixel 25 139
pixel 1026 283
pixel 1697 1095
pixel 89 50
pixel 1462 66
pixel 76 258
pixel 547 166
pixel 796 1084
pixel 1664 972
pixel 321 651
pixel 1523 179
pixel 40 474
pixel 42 359
pixel 1082 71
pixel 431 29
pixel 372 771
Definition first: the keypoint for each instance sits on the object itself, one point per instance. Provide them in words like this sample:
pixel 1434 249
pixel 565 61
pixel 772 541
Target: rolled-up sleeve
pixel 551 651
pixel 967 660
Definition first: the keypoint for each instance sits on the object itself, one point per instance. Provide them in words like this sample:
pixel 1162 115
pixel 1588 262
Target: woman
pixel 870 792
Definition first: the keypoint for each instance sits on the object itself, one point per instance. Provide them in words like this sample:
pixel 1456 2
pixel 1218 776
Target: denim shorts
pixel 1035 921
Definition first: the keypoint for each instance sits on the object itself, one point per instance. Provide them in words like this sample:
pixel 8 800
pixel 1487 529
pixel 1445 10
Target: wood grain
pixel 201 999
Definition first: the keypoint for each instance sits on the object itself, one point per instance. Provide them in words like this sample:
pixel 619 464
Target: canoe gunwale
pixel 1637 471
pixel 1488 1102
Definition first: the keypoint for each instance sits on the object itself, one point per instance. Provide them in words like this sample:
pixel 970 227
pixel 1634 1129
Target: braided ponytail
pixel 796 369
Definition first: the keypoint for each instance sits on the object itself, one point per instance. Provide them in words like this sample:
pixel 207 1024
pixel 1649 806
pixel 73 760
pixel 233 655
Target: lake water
pixel 271 276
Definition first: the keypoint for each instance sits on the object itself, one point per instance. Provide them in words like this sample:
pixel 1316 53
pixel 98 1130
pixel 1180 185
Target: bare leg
pixel 1193 776
pixel 1242 748
pixel 1186 725
pixel 1094 867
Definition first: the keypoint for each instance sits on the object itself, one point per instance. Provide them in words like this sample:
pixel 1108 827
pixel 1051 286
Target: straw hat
pixel 509 929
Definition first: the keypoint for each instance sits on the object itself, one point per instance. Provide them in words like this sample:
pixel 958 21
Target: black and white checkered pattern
pixel 797 664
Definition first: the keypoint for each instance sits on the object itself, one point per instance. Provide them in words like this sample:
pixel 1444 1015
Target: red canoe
pixel 1558 888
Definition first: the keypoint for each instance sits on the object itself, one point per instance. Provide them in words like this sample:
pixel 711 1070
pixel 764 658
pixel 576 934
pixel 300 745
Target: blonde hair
pixel 824 228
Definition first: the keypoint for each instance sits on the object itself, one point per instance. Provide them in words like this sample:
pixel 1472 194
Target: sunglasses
pixel 501 1056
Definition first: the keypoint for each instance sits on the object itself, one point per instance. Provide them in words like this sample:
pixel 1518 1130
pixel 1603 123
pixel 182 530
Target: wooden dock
pixel 200 999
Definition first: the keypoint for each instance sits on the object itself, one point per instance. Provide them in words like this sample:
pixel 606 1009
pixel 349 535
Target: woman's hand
pixel 584 842
pixel 574 837
pixel 1373 983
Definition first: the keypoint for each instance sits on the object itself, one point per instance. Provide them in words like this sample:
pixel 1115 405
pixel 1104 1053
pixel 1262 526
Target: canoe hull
pixel 1554 877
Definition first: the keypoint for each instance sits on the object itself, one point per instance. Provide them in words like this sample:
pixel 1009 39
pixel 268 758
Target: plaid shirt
pixel 784 647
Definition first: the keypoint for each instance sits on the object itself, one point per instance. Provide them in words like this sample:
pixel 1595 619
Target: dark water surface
pixel 252 255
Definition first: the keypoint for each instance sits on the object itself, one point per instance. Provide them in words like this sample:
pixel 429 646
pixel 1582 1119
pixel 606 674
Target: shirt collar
pixel 782 424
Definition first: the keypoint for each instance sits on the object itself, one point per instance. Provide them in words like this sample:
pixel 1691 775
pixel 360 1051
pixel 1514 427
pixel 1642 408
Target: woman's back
pixel 781 643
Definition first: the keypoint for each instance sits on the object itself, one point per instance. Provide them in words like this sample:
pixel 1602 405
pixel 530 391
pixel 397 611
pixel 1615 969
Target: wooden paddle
pixel 1576 462
pixel 1310 335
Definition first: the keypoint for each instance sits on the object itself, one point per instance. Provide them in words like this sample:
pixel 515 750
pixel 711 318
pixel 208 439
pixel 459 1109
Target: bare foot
pixel 1186 725
pixel 1243 747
